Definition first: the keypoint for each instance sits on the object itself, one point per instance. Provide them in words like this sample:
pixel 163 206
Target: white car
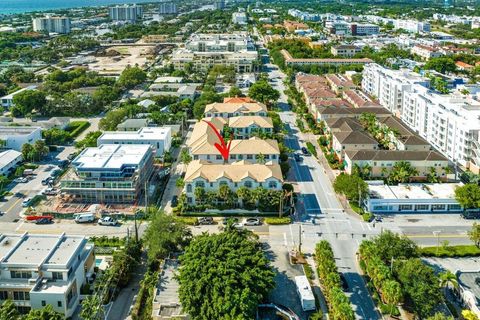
pixel 107 221
pixel 26 202
pixel 21 180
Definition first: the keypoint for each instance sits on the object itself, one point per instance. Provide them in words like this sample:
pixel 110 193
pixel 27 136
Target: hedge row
pixel 75 128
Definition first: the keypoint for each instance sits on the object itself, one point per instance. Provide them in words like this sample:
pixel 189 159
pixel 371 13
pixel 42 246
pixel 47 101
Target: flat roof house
pixel 160 138
pixel 7 101
pixel 39 270
pixel 109 173
pixel 16 137
pixel 9 160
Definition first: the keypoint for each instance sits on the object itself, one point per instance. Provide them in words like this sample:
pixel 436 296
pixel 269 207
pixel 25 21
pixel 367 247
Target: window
pixel 44 303
pixel 21 295
pixel 454 207
pixel 20 274
pixel 189 187
pixel 200 184
pixel 272 185
pixel 223 183
pixel 249 156
pixel 59 304
pixel 232 156
pixel 248 184
pixel 57 275
pixel 3 295
pixel 438 207
pixel 218 157
pixel 405 207
pixel 421 207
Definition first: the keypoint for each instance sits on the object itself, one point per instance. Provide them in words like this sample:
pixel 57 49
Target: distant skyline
pixel 23 6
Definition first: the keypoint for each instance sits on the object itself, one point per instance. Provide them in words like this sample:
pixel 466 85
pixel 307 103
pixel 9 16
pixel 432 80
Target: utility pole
pixel 280 213
pixel 299 238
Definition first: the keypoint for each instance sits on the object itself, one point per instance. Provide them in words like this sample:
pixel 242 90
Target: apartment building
pixel 126 13
pixel 412 26
pixel 449 122
pixel 345 51
pixel 9 160
pixel 426 52
pixel 239 18
pixel 210 176
pixel 51 24
pixel 388 85
pixel 167 7
pixel 364 29
pixel 15 137
pixel 206 50
pixel 290 61
pixel 159 138
pixel 109 173
pixel 40 270
pixel 229 109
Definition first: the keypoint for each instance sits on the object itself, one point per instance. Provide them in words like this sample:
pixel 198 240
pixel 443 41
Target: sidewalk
pixel 121 305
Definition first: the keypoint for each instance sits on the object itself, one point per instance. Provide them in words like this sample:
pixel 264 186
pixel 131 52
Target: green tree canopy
pixel 468 196
pixel 224 276
pixel 263 92
pixel 131 76
pixel 26 101
pixel 165 235
pixel 441 64
pixel 351 186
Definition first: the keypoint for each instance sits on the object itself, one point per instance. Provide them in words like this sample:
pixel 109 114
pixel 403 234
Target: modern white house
pixel 412 198
pixel 160 138
pixel 15 137
pixel 40 270
pixel 9 160
pixel 7 101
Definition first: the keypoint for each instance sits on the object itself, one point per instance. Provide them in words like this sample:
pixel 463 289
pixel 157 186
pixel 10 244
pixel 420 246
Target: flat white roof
pixel 6 131
pixel 6 157
pixel 35 249
pixel 111 156
pixel 144 134
pixel 413 191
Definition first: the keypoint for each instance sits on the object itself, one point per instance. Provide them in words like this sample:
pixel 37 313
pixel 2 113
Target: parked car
pixel 85 217
pixel 297 157
pixel 50 192
pixel 26 202
pixel 378 219
pixel 20 180
pixel 46 181
pixel 174 201
pixel 72 156
pixel 305 151
pixel 2 213
pixel 43 221
pixel 205 220
pixel 252 222
pixel 107 221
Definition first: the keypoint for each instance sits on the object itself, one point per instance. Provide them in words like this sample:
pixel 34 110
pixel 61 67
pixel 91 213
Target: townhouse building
pixel 210 176
pixel 253 150
pixel 235 109
pixel 110 173
pixel 339 83
pixel 290 61
pixel 245 126
pixel 40 270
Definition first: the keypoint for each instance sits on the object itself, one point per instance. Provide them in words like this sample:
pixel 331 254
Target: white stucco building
pixel 15 137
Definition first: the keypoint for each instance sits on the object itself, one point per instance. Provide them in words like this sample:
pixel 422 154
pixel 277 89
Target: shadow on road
pixel 360 297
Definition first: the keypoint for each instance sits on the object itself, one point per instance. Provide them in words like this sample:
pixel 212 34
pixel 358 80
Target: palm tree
pixel 244 194
pixel 448 279
pixel 432 176
pixel 392 293
pixel 200 194
pixel 261 158
pixel 366 171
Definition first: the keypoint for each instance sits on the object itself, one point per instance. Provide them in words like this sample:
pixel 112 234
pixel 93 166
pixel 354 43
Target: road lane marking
pixel 13 205
pixel 285 239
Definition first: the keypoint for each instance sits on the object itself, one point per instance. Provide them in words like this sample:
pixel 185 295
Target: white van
pixel 85 217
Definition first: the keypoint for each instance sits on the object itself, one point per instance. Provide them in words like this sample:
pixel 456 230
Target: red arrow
pixel 224 149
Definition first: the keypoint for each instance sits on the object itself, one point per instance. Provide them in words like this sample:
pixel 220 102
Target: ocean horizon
pixel 24 6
